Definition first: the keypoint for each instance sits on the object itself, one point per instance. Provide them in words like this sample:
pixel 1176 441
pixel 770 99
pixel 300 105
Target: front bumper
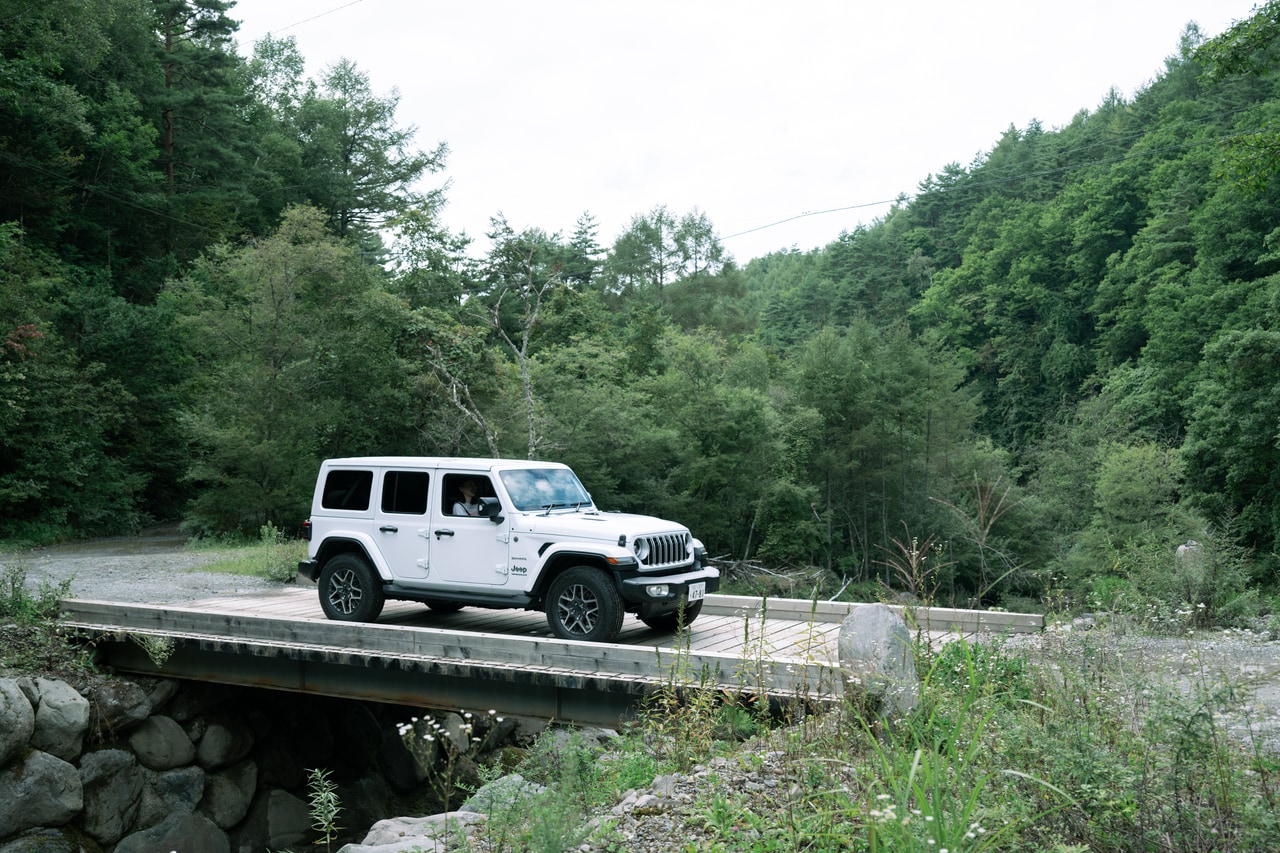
pixel 636 589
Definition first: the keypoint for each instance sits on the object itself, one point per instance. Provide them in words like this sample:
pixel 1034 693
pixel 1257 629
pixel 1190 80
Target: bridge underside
pixel 395 680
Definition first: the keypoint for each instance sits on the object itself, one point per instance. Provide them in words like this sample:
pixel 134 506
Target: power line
pixel 314 17
pixel 971 185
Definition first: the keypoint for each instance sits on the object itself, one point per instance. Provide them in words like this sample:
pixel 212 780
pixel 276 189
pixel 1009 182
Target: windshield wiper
pixel 546 508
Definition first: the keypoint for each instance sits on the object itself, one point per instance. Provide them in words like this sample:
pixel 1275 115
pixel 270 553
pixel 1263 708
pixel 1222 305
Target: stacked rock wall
pixel 153 766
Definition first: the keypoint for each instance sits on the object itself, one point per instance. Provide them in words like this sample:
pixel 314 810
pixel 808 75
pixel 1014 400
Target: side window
pixel 347 490
pixel 461 493
pixel 405 492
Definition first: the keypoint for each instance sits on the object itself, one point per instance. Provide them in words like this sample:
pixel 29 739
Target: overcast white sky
pixel 751 112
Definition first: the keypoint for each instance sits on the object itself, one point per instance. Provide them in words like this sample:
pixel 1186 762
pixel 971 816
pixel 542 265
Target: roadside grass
pixel 273 555
pixel 1067 745
pixel 32 642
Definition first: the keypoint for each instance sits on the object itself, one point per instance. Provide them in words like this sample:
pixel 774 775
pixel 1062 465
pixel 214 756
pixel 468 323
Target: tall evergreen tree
pixel 358 164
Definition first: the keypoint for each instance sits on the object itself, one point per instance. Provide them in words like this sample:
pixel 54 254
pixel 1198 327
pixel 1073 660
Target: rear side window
pixel 347 490
pixel 405 492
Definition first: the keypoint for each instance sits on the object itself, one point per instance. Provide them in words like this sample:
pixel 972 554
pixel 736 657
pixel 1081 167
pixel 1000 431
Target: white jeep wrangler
pixel 495 533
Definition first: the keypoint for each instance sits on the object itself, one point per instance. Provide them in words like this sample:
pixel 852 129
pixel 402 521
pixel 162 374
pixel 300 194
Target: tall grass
pixel 1065 744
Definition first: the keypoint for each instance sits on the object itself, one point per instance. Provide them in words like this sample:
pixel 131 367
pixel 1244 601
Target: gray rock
pixel 169 792
pixel 161 744
pixel 118 706
pixel 17 720
pixel 197 697
pixel 502 794
pixel 62 718
pixel 225 741
pixel 27 685
pixel 400 766
pixel 276 820
pixel 228 793
pixel 64 840
pixel 430 834
pixel 160 691
pixel 188 833
pixel 364 801
pixel 38 790
pixel 112 785
pixel 877 659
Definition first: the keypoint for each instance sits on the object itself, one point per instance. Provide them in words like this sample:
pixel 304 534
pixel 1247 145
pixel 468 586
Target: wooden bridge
pixel 504 660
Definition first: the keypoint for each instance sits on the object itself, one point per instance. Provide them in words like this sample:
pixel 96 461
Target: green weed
pixel 32 641
pixel 273 556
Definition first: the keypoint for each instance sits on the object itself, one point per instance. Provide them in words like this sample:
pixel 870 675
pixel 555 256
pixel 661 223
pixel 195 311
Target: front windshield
pixel 544 488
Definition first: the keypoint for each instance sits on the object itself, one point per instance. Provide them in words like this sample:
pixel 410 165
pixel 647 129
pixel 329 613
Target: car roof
pixel 461 463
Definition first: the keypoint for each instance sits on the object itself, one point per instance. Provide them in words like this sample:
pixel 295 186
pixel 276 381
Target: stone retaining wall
pixel 154 766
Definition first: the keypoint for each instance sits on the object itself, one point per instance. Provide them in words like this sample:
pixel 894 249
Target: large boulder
pixel 169 792
pixel 189 833
pixel 225 741
pixel 39 789
pixel 197 697
pixel 161 744
pixel 877 660
pixel 17 720
pixel 276 820
pixel 502 794
pixel 228 793
pixel 430 834
pixel 112 784
pixel 63 840
pixel 400 767
pixel 118 705
pixel 62 718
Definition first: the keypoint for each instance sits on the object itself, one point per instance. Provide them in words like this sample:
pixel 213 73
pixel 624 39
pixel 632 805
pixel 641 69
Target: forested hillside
pixel 1031 380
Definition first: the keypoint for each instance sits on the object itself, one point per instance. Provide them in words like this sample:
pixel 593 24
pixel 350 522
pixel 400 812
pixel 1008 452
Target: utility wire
pixel 970 185
pixel 314 17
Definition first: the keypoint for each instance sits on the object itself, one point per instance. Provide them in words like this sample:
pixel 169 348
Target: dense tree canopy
pixel 1050 366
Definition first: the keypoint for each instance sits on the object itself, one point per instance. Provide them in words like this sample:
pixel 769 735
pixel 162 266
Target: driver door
pixel 468 549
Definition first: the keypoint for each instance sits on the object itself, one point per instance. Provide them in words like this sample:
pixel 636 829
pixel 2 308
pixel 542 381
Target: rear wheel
pixel 672 620
pixel 582 604
pixel 350 590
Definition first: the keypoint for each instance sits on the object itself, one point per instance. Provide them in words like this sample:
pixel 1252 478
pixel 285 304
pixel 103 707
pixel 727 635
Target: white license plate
pixel 697 591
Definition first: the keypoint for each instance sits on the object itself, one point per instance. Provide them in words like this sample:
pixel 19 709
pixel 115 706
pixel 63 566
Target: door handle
pixel 389 528
pixel 443 532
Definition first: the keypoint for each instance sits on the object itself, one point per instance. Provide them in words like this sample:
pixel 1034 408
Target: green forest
pixel 1025 386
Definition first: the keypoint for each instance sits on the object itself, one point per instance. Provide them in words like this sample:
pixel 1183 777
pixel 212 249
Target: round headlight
pixel 642 549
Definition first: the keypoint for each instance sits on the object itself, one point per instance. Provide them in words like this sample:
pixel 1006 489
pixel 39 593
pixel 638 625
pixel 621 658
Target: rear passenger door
pixel 402 524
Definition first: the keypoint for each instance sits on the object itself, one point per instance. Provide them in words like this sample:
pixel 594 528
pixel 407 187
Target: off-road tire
pixel 350 590
pixel 583 604
pixel 673 620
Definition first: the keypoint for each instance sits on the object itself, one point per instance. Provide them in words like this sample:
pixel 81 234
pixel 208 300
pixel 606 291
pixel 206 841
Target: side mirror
pixel 491 508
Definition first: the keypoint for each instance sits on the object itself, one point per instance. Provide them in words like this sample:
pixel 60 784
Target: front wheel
pixel 673 620
pixel 583 604
pixel 350 590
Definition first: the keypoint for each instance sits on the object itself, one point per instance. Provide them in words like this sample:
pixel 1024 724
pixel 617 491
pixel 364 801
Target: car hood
pixel 592 524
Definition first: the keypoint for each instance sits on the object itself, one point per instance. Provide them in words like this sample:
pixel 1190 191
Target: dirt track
pixel 154 568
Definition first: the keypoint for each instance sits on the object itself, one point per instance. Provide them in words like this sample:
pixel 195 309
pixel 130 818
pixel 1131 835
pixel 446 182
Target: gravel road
pixel 153 568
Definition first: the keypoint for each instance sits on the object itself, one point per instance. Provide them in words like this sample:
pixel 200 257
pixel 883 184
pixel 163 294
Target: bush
pixel 17 603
